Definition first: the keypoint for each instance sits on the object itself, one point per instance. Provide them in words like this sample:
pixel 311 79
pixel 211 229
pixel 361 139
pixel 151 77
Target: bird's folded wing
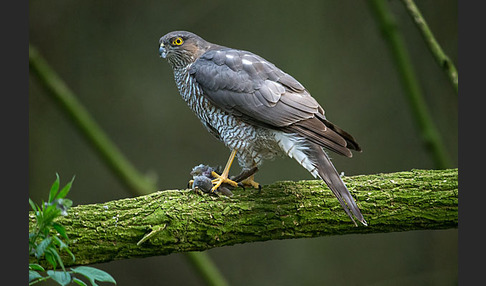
pixel 247 85
pixel 255 90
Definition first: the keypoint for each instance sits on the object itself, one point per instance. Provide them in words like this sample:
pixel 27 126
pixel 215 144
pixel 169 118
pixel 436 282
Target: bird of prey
pixel 257 110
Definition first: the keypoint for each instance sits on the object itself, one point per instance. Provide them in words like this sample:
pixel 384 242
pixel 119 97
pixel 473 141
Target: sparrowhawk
pixel 257 110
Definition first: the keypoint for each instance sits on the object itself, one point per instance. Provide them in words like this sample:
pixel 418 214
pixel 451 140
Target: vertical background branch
pixel 428 131
pixel 137 184
pixel 442 59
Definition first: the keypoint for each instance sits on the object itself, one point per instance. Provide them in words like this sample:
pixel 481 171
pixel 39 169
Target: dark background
pixel 107 52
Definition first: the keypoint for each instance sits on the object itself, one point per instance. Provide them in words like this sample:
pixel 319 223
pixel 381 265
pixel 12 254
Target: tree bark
pixel 173 221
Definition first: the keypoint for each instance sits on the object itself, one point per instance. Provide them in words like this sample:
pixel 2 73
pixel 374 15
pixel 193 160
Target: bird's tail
pixel 312 157
pixel 328 174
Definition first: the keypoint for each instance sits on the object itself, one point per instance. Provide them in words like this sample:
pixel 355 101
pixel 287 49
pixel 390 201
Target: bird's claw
pixel 221 180
pixel 251 182
pixel 208 180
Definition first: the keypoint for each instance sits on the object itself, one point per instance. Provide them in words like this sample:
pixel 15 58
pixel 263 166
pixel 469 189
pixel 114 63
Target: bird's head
pixel 182 48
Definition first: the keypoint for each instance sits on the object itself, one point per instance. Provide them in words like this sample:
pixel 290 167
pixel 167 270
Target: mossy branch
pixel 174 221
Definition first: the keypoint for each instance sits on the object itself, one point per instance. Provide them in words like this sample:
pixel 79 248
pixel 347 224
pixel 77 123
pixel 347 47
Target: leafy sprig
pixel 48 238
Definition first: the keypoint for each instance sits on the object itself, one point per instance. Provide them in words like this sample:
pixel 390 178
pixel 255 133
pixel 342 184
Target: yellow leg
pixel 224 176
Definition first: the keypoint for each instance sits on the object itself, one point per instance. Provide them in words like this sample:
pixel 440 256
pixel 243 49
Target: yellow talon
pixel 220 180
pixel 250 181
pixel 223 178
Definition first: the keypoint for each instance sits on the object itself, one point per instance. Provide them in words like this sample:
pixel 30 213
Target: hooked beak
pixel 162 51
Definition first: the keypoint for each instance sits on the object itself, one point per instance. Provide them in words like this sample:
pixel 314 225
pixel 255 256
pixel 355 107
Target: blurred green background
pixel 107 52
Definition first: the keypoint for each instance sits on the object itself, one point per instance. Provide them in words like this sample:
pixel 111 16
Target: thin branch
pixel 442 59
pixel 104 147
pixel 420 112
pixel 206 269
pixel 182 221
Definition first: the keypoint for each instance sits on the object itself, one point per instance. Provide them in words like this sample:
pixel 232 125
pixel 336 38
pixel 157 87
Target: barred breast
pixel 254 144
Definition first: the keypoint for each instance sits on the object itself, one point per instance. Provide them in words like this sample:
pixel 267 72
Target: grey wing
pixel 247 85
pixel 252 88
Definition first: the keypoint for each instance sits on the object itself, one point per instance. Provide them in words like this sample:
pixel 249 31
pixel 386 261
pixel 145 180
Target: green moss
pixel 171 221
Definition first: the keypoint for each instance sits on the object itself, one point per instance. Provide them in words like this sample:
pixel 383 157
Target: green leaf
pixel 51 259
pixel 32 244
pixel 33 205
pixel 61 277
pixel 63 246
pixel 60 229
pixel 94 274
pixel 34 266
pixel 79 282
pixel 71 254
pixel 54 189
pixel 50 213
pixel 33 275
pixel 42 246
pixel 52 250
pixel 65 189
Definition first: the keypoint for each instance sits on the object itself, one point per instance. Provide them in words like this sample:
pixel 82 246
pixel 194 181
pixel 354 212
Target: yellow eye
pixel 177 41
